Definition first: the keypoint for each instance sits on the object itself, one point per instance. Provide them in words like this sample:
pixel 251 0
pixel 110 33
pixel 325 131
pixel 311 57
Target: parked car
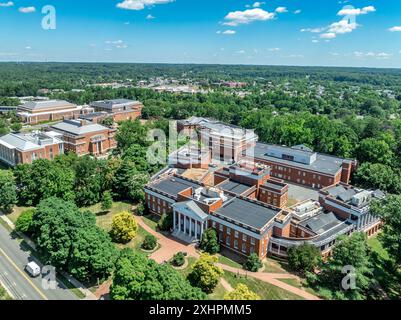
pixel 33 269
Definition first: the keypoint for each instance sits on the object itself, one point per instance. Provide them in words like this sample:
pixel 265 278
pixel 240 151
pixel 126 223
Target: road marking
pixel 24 275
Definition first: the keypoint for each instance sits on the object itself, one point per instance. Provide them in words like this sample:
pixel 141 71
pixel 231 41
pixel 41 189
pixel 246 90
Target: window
pixel 228 231
pixel 228 241
pixel 236 234
pixel 253 241
pixel 236 244
pixel 221 227
pixel 244 238
pixel 214 224
pixel 244 247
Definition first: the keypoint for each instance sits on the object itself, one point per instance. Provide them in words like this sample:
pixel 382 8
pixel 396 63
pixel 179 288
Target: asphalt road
pixel 13 259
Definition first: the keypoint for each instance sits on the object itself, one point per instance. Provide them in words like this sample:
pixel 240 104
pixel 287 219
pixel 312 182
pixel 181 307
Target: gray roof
pixel 234 187
pixel 322 222
pixel 191 206
pixel 26 142
pixel 75 128
pixel 342 193
pixel 246 212
pixel 49 104
pixel 109 104
pixel 324 164
pixel 173 185
pixel 273 185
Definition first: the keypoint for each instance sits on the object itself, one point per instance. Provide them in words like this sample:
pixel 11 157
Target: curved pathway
pixel 170 246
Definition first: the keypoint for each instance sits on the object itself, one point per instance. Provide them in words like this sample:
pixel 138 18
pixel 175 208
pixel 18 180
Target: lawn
pixel 228 262
pixel 185 272
pixel 104 219
pixel 13 216
pixel 265 290
pixel 301 284
pixel 218 293
pixel 274 266
pixel 151 221
pixel 3 294
pixel 383 270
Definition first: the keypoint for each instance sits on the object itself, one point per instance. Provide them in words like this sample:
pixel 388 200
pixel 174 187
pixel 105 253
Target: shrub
pixel 166 222
pixel 149 243
pixel 209 242
pixel 178 259
pixel 205 274
pixel 107 201
pixel 24 221
pixel 253 263
pixel 124 227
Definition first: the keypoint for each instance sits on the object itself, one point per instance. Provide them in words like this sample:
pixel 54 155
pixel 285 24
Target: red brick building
pixel 35 112
pixel 301 165
pixel 85 138
pixel 119 109
pixel 19 148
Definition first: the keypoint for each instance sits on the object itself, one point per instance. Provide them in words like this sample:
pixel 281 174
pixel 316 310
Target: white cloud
pixel 274 49
pixel 370 54
pixel 140 4
pixel 328 35
pixel 6 4
pixel 237 18
pixel 150 17
pixel 342 27
pixel 297 11
pixel 281 10
pixel 313 30
pixel 356 11
pixel 230 32
pixel 315 41
pixel 395 29
pixel 258 4
pixel 240 52
pixel 27 9
pixel 28 48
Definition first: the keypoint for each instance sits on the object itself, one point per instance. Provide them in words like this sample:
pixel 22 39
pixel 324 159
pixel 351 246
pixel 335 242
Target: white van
pixel 33 269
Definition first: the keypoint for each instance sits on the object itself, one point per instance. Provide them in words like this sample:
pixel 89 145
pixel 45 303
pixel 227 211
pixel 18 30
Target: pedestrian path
pixel 170 246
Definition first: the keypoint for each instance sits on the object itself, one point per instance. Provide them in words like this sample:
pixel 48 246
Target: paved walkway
pixel 170 246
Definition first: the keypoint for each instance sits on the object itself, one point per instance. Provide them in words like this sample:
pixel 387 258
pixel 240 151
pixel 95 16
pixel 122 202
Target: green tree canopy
pixel 8 190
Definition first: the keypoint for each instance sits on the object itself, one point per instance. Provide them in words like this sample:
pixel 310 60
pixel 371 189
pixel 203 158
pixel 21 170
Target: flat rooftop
pixel 246 212
pixel 234 187
pixel 324 164
pixel 173 185
pixel 75 127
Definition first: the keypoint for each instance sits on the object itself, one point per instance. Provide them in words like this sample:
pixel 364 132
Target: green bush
pixel 253 263
pixel 209 242
pixel 166 222
pixel 24 221
pixel 149 243
pixel 178 259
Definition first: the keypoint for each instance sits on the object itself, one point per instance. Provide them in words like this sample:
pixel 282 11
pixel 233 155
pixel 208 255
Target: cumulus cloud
pixel 140 4
pixel 6 4
pixel 313 30
pixel 342 27
pixel 356 11
pixel 281 10
pixel 27 9
pixel 297 11
pixel 379 55
pixel 229 32
pixel 150 17
pixel 395 29
pixel 237 18
pixel 328 35
pixel 258 4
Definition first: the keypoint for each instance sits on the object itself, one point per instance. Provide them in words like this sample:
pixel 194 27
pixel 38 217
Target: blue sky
pixel 276 32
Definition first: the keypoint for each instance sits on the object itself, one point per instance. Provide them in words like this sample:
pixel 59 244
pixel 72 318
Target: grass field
pixel 3 294
pixel 265 290
pixel 274 266
pixel 227 261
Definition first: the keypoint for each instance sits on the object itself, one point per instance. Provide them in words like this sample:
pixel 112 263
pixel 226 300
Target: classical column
pixel 202 225
pixel 179 221
pixel 185 223
pixel 190 226
pixel 196 229
pixel 174 220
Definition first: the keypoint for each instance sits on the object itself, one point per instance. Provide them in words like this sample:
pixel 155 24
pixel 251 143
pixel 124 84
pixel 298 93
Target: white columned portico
pixel 194 221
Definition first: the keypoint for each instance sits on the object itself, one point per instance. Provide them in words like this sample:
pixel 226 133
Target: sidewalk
pixel 170 246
